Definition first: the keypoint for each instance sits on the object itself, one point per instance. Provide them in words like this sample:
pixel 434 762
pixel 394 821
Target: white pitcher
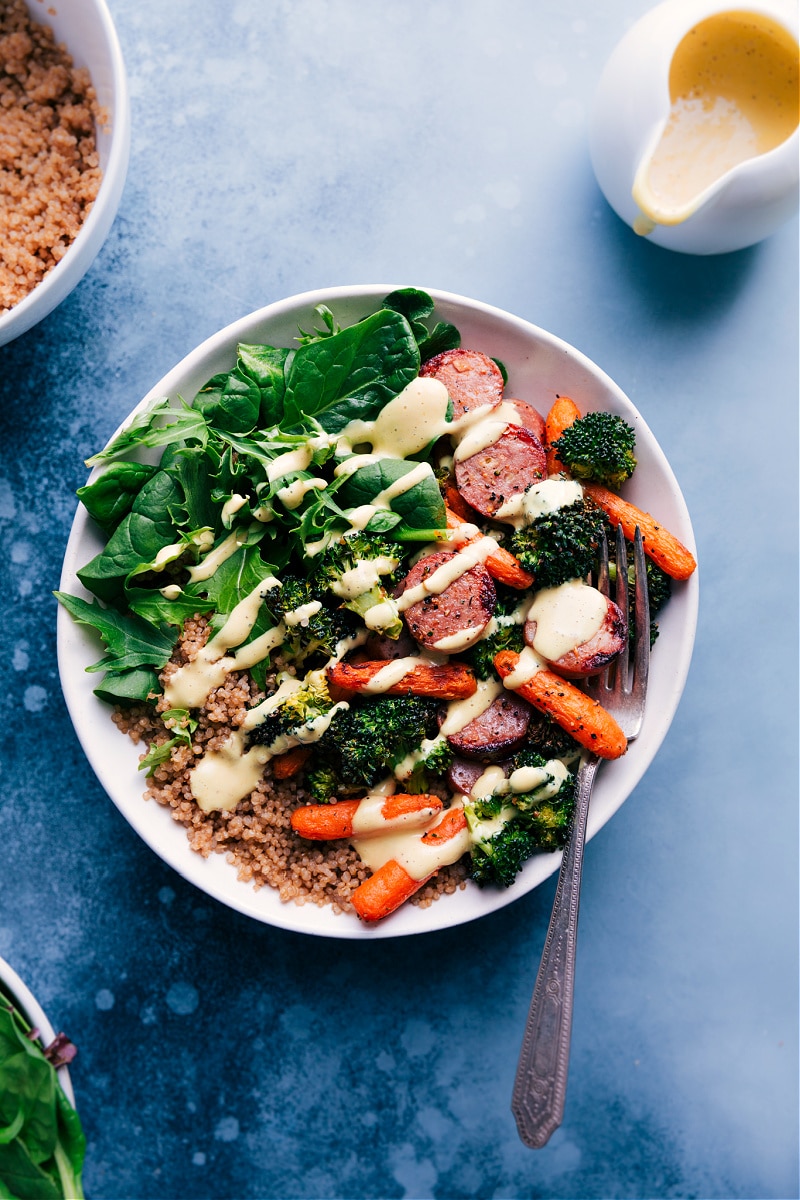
pixel 694 132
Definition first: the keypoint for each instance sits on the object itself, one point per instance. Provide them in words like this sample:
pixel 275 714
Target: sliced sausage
pixel 472 379
pixel 501 470
pixel 596 654
pixel 380 646
pixel 466 604
pixel 529 418
pixel 462 775
pixel 496 732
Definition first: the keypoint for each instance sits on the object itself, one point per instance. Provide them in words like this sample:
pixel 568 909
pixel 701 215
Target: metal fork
pixel 541 1081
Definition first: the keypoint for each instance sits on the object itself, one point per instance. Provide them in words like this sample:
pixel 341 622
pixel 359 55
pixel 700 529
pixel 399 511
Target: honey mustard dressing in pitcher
pixel 694 136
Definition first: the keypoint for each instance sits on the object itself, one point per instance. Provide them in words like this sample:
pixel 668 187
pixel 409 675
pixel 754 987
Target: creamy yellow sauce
pixel 369 819
pixel 448 572
pixel 566 617
pixel 539 500
pixel 420 859
pixel 733 87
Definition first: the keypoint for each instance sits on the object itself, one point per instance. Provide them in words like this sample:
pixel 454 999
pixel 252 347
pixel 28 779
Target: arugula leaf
pixel 351 374
pixel 146 429
pixel 110 497
pixel 130 641
pixel 421 507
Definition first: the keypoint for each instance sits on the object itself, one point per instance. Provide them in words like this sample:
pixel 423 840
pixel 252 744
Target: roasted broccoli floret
pixel 507 827
pixel 505 635
pixel 351 568
pixel 298 708
pixel 435 756
pixel 322 782
pixel 365 742
pixel 599 447
pixel 311 627
pixel 560 545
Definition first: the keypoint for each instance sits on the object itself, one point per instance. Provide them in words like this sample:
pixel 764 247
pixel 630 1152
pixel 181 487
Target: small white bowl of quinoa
pixel 64 148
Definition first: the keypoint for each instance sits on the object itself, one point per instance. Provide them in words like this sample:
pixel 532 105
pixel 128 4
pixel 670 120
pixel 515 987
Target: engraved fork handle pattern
pixel 541 1081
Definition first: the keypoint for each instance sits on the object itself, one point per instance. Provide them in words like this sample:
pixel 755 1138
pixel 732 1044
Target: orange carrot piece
pixel 404 802
pixel 327 822
pixel 659 544
pixel 456 504
pixel 502 565
pixel 391 885
pixel 284 766
pixel 563 413
pixel 581 716
pixel 441 681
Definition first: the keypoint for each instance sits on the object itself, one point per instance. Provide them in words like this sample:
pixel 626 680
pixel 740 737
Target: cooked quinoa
pixel 256 837
pixel 49 167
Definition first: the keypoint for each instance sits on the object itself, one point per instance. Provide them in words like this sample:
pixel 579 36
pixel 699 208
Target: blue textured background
pixel 280 146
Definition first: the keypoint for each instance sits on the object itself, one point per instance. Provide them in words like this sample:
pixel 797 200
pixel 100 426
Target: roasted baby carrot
pixel 326 822
pixel 440 681
pixel 564 412
pixel 659 544
pixel 391 885
pixel 284 766
pixel 581 716
pixel 502 565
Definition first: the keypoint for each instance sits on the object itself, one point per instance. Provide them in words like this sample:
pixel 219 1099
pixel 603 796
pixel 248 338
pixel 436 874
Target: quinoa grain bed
pixel 49 167
pixel 256 837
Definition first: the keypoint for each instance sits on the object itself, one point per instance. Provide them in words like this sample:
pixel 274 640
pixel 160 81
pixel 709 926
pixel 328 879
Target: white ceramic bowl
pixel 539 365
pixel 23 999
pixel 86 29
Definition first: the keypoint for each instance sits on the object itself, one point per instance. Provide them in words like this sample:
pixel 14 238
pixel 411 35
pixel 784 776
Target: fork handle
pixel 541 1081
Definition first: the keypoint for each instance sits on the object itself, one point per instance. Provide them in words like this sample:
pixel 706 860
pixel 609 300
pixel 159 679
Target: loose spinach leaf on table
pixel 352 374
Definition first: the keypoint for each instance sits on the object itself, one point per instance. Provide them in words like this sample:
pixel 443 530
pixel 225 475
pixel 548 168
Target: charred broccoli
pixel 311 627
pixel 351 568
pixel 560 545
pixel 298 704
pixel 599 447
pixel 365 742
pixel 508 826
pixel 506 635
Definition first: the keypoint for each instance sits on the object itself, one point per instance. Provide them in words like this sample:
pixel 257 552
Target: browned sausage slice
pixel 462 775
pixel 472 379
pixel 465 604
pixel 501 470
pixel 496 732
pixel 596 654
pixel 529 418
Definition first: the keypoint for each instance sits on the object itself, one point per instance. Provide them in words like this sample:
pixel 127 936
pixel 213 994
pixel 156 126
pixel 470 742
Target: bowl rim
pixel 68 272
pixel 198 363
pixel 24 999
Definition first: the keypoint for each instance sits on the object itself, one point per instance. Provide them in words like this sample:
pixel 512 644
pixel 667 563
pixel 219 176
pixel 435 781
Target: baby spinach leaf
pixel 23 1178
pixel 130 641
pixel 152 427
pixel 421 506
pixel 234 579
pixel 111 496
pixel 151 606
pixel 137 539
pixel 416 306
pixel 31 1080
pixel 195 471
pixel 351 374
pixel 230 401
pixel 266 366
pixel 128 686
